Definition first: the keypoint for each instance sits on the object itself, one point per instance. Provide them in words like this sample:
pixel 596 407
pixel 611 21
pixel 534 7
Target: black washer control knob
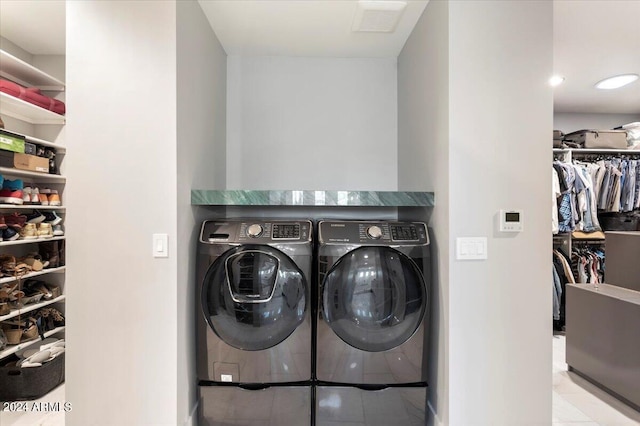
pixel 254 230
pixel 374 232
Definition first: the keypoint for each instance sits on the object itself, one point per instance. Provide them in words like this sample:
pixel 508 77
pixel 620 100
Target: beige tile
pixel 603 409
pixel 564 411
pixel 566 382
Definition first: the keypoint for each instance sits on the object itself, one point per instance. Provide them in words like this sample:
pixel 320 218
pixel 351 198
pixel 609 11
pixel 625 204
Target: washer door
pixel 374 298
pixel 254 297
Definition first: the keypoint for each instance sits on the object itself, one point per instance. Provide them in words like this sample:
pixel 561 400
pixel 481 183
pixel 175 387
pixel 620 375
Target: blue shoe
pixel 10 234
pixel 52 218
pixel 13 185
pixel 35 217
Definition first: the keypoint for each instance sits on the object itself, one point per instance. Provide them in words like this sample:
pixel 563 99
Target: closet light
pixel 556 80
pixel 616 81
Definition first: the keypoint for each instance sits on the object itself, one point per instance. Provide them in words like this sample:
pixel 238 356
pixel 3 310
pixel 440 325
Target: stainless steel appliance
pixel 254 343
pixel 372 322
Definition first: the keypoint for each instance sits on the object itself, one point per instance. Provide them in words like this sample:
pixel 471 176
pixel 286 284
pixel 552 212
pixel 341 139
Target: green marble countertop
pixel 311 198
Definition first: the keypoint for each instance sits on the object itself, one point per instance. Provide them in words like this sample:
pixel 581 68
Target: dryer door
pixel 374 298
pixel 254 297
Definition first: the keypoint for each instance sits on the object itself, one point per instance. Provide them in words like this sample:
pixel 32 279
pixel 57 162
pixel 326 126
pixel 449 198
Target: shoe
pixel 13 185
pixel 45 230
pixel 8 196
pixel 10 234
pixel 52 218
pixel 34 260
pixel 28 232
pixel 26 195
pixel 15 220
pixel 54 198
pixel 3 224
pixel 43 199
pixel 35 196
pixel 35 217
pixel 58 231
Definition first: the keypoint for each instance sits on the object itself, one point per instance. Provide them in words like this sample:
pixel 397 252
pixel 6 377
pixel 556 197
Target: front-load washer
pixel 372 321
pixel 254 327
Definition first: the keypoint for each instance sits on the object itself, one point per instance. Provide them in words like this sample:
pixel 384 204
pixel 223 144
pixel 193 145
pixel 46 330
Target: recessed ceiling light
pixel 617 81
pixel 556 80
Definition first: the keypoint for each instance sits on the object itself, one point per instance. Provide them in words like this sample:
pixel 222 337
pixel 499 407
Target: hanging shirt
pixel 555 191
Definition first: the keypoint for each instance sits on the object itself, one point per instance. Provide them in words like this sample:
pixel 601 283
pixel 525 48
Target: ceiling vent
pixel 378 16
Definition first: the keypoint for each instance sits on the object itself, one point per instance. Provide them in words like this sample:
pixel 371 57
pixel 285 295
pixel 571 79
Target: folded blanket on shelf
pixel 32 95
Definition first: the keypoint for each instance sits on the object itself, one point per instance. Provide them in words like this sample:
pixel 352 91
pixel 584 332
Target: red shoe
pixel 15 220
pixel 9 196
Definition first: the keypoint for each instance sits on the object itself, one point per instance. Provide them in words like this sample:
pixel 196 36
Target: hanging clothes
pixel 589 264
pixel 562 269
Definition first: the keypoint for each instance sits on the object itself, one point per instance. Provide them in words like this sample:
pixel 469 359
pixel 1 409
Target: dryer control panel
pixel 373 233
pixel 258 231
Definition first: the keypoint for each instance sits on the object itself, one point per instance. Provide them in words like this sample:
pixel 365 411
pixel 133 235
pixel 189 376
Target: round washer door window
pixel 254 297
pixel 374 298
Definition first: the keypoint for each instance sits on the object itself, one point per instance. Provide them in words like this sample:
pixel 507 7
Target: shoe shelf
pixel 30 241
pixel 11 349
pixel 31 307
pixel 14 68
pixel 40 177
pixel 29 207
pixel 25 111
pixel 33 274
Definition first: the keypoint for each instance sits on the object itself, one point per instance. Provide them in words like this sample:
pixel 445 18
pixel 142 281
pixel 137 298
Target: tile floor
pixel 38 418
pixel 576 402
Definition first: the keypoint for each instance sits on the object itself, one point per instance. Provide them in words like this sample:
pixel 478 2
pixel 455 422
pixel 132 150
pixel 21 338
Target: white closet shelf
pixel 15 348
pixel 29 207
pixel 31 307
pixel 31 275
pixel 25 111
pixel 38 176
pixel 16 69
pixel 34 240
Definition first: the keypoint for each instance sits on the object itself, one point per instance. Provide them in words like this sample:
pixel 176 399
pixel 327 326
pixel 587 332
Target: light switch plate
pixel 471 248
pixel 160 245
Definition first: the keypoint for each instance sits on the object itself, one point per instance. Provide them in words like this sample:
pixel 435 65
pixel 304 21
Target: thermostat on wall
pixel 511 221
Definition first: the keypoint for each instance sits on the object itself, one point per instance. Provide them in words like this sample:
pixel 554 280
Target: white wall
pixel 121 138
pixel 201 116
pixel 570 122
pixel 423 165
pixel 309 123
pixel 500 109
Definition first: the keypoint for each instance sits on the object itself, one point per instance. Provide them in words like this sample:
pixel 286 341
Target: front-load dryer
pixel 372 321
pixel 254 332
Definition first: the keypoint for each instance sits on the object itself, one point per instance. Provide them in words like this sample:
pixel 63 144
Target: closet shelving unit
pixel 567 155
pixel 17 70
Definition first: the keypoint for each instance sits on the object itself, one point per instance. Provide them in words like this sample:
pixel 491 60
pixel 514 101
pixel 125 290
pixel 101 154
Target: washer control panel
pixel 259 231
pixel 373 233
